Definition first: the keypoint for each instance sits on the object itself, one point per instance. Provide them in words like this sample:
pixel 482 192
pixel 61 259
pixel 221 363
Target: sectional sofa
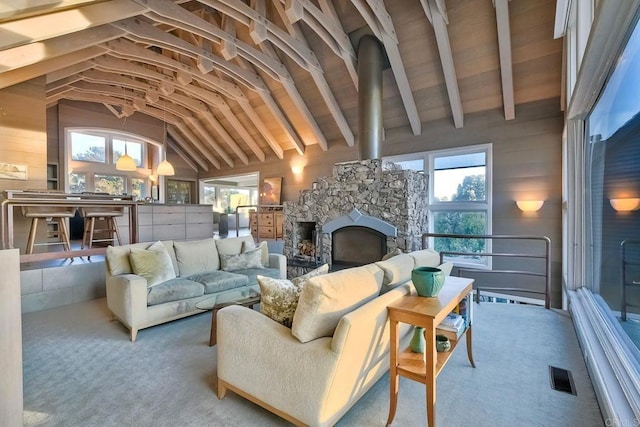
pixel 336 349
pixel 152 283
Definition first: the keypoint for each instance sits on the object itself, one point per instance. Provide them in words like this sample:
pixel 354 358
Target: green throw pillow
pixel 279 297
pixel 154 264
pixel 242 261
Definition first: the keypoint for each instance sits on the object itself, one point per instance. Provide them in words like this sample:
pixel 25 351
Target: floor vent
pixel 562 380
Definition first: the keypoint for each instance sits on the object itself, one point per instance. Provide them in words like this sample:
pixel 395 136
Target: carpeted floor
pixel 80 369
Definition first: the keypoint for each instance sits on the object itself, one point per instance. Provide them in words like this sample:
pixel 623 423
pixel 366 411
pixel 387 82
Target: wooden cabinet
pixel 266 223
pixel 174 222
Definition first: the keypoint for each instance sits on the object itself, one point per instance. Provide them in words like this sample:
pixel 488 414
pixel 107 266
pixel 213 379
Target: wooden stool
pixel 48 213
pixel 107 214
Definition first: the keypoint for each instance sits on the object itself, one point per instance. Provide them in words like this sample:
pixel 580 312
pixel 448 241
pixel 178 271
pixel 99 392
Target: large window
pixel 91 163
pixel 459 198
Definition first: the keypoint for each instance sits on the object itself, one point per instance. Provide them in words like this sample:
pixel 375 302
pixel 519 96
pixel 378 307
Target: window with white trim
pixel 460 194
pixel 91 162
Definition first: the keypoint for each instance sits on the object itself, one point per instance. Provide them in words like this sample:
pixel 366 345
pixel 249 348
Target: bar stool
pixel 49 213
pixel 109 215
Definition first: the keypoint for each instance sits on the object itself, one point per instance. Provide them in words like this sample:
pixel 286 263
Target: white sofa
pixel 139 304
pixel 316 382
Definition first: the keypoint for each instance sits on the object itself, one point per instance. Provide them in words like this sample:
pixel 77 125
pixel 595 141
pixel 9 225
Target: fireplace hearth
pixel 367 196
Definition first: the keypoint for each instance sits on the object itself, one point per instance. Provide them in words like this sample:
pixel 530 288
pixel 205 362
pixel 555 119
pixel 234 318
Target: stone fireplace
pixel 364 210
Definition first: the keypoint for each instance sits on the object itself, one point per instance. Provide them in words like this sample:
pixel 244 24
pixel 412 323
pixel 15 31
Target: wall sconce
pixel 529 205
pixel 297 170
pixel 625 205
pixel 152 178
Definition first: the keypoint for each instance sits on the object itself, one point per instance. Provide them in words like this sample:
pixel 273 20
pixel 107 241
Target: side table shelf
pixel 427 313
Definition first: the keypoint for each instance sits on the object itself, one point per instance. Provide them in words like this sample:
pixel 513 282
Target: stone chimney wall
pixel 373 187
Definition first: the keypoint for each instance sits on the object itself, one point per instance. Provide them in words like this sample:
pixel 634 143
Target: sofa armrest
pixel 260 357
pixel 127 298
pixel 279 261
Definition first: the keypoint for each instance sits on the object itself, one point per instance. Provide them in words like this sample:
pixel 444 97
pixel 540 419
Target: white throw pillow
pixel 279 297
pixel 425 258
pixel 243 261
pixel 196 256
pixel 154 264
pixel 325 299
pixel 397 270
pixel 264 248
pixel 233 245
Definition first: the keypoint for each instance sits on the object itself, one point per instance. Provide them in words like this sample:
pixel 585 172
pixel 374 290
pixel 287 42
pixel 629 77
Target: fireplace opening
pixel 354 245
pixel 306 245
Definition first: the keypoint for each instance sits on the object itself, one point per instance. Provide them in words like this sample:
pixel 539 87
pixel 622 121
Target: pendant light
pixel 126 162
pixel 165 168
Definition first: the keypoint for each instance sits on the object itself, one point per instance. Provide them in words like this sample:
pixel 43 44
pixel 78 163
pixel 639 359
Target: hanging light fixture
pixel 165 168
pixel 126 162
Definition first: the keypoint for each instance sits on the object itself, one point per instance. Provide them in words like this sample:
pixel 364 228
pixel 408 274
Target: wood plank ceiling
pixel 244 81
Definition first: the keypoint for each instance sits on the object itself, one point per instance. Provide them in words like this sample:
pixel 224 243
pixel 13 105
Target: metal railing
pixel 625 262
pixel 542 256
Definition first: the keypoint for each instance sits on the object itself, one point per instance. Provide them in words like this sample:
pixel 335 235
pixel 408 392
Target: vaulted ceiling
pixel 243 81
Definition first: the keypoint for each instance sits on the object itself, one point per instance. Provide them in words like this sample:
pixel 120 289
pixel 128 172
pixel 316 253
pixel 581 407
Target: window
pixel 109 184
pixel 459 198
pixel 88 148
pixel 91 163
pixel 133 149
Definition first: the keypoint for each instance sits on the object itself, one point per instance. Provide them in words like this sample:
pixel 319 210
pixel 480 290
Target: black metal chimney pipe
pixel 370 63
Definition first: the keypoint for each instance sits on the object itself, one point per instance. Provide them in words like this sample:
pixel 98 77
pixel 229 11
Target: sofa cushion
pixel 233 246
pixel 446 268
pixel 391 254
pixel 242 261
pixel 264 248
pixel 173 290
pixel 154 264
pixel 326 298
pixel 397 270
pixel 217 281
pixel 117 258
pixel 425 258
pixel 196 256
pixel 252 274
pixel 279 297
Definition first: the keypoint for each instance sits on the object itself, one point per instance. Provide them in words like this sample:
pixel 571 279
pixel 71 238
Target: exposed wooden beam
pixel 69 71
pixel 175 147
pixel 186 146
pixel 506 67
pixel 321 83
pixel 248 139
pixel 21 56
pixel 210 119
pixel 190 136
pixel 199 130
pixel 436 13
pixel 13 10
pixel 9 78
pixel 43 27
pixel 262 128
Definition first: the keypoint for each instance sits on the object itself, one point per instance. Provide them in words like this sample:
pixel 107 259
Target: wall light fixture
pixel 529 205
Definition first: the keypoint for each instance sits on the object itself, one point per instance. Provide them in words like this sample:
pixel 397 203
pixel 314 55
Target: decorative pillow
pixel 243 261
pixel 325 299
pixel 446 268
pixel 391 254
pixel 154 264
pixel 233 246
pixel 118 258
pixel 196 256
pixel 279 297
pixel 397 270
pixel 425 258
pixel 247 246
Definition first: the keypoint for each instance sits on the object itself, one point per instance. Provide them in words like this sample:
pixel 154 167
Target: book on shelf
pixel 453 336
pixel 453 322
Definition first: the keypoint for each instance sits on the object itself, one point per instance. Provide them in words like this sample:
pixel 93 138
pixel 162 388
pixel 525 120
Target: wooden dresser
pixel 267 222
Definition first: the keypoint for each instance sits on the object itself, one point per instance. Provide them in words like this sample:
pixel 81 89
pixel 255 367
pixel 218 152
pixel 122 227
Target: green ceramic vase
pixel 417 343
pixel 427 280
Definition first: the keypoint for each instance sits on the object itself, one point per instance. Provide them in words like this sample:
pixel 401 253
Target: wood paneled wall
pixel 527 164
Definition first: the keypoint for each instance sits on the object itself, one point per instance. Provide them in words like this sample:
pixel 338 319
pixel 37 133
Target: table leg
pixel 469 349
pixel 430 383
pixel 212 335
pixel 393 371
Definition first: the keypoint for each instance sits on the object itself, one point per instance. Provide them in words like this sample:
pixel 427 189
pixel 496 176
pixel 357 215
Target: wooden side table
pixel 427 313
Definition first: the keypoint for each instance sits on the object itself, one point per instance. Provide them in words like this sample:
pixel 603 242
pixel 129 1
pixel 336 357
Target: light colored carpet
pixel 80 369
